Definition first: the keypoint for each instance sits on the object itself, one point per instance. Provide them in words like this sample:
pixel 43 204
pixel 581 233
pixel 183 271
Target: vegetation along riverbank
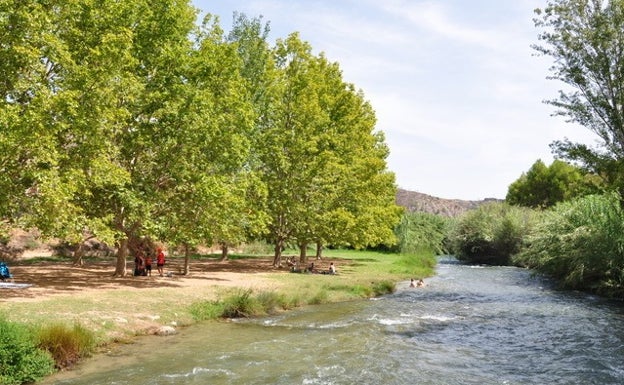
pixel 71 312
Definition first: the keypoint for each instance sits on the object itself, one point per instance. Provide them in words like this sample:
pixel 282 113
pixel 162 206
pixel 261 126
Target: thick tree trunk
pixel 319 250
pixel 303 253
pixel 224 252
pixel 187 259
pixel 122 253
pixel 277 259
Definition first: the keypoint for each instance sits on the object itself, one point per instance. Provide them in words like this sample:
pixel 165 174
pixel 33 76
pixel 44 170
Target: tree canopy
pixel 543 186
pixel 585 39
pixel 131 121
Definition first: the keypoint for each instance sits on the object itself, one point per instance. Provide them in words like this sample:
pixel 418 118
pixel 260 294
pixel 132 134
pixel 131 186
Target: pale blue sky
pixel 456 88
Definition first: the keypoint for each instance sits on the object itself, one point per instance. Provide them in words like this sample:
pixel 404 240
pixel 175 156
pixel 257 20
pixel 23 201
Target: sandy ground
pixel 50 279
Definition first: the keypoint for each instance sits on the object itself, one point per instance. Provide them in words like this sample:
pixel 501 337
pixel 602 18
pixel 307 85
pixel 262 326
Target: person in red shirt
pixel 160 261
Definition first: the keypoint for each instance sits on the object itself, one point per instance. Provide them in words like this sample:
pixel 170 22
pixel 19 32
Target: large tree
pixel 544 186
pixel 585 39
pixel 322 161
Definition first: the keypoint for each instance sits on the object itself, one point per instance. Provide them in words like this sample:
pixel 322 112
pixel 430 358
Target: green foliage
pixel 421 232
pixel 584 39
pixel 491 234
pixel 66 345
pixel 206 310
pixel 241 305
pixel 384 287
pixel 271 302
pixel 581 243
pixel 319 298
pixel 543 186
pixel 21 361
pixel 415 265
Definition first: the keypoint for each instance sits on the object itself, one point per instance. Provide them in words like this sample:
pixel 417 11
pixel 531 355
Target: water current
pixel 469 325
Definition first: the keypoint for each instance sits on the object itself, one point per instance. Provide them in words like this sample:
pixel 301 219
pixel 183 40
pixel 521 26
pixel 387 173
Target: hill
pixel 418 202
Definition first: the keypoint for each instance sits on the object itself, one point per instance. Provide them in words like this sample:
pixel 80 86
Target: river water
pixel 469 325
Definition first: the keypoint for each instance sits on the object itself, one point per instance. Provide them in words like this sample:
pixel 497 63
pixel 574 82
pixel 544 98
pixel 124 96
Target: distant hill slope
pixel 418 202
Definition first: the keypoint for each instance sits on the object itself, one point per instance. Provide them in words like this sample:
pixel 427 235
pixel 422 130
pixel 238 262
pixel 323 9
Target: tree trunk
pixel 224 252
pixel 78 254
pixel 319 250
pixel 303 253
pixel 187 258
pixel 122 252
pixel 277 259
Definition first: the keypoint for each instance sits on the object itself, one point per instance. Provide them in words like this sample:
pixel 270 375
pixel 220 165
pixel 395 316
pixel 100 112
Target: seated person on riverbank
pixel 420 283
pixel 331 270
pixel 294 265
pixel 4 272
pixel 311 268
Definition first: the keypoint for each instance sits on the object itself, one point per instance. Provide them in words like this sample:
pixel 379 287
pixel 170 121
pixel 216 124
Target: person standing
pixel 148 265
pixel 139 264
pixel 160 261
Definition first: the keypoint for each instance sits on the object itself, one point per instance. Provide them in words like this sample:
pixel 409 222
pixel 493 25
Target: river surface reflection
pixel 469 325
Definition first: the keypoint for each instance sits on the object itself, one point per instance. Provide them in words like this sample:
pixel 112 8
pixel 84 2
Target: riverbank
pixel 119 309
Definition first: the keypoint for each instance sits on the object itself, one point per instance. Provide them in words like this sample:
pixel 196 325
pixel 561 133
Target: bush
pixel 206 310
pixel 421 232
pixel 241 305
pixel 492 233
pixel 20 359
pixel 383 288
pixel 581 243
pixel 66 345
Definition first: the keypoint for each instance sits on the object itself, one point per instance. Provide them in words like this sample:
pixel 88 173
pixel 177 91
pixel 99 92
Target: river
pixel 469 325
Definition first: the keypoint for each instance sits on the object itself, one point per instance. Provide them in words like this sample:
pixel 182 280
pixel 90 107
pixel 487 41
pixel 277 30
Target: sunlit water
pixel 469 325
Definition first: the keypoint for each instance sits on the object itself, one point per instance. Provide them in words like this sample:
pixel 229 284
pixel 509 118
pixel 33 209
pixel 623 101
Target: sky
pixel 456 87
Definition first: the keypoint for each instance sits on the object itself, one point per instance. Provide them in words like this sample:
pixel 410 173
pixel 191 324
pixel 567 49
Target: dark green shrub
pixel 206 310
pixel 20 359
pixel 421 233
pixel 581 243
pixel 383 288
pixel 241 305
pixel 492 233
pixel 67 345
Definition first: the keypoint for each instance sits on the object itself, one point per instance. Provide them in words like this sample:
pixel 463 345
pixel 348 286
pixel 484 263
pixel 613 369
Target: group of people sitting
pixel 294 267
pixel 143 263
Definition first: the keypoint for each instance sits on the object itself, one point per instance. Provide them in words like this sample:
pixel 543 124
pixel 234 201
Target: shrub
pixel 492 233
pixel 581 243
pixel 421 232
pixel 319 298
pixel 241 305
pixel 383 288
pixel 270 302
pixel 20 359
pixel 67 345
pixel 206 310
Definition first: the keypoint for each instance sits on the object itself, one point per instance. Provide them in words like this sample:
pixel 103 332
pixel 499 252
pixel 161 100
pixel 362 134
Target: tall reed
pixel 581 243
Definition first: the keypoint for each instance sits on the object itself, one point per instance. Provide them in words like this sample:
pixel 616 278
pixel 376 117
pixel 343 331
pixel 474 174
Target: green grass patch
pixel 21 361
pixel 67 345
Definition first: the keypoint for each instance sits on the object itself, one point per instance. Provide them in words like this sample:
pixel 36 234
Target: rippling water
pixel 469 325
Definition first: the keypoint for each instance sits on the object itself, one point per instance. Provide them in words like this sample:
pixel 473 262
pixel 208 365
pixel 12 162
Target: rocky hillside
pixel 415 201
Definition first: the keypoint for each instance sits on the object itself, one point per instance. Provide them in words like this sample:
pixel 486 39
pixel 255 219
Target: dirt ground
pixel 47 279
pixel 62 278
